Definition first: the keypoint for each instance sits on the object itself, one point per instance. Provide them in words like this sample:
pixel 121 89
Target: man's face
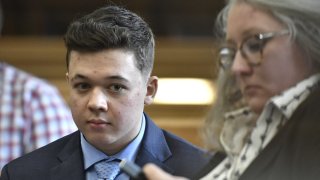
pixel 107 97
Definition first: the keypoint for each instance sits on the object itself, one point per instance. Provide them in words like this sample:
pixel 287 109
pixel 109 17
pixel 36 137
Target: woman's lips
pixel 251 89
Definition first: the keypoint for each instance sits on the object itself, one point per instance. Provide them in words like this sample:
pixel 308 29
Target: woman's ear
pixel 152 87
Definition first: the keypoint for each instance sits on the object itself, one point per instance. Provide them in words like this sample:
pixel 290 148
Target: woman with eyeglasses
pixel 267 116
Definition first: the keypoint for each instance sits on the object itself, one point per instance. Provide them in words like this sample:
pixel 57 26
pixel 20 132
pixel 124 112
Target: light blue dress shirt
pixel 92 155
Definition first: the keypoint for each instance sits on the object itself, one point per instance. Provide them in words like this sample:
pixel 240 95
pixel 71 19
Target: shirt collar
pixel 239 123
pixel 243 143
pixel 282 101
pixel 288 101
pixel 92 155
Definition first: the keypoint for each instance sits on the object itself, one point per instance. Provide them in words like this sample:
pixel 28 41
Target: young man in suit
pixel 110 55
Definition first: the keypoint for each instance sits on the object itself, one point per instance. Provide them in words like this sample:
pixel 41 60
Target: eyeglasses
pixel 251 49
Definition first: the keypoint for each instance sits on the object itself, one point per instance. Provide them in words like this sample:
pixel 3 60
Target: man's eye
pixel 116 88
pixel 81 86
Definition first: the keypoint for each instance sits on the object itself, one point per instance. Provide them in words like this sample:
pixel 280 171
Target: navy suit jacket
pixel 63 159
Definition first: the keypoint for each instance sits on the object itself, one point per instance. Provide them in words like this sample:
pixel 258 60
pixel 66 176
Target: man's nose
pixel 98 100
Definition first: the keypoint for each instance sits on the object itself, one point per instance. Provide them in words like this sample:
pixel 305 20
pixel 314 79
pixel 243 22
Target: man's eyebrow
pixel 78 76
pixel 115 77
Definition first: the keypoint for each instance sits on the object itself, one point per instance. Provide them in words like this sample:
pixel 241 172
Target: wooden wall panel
pixel 45 57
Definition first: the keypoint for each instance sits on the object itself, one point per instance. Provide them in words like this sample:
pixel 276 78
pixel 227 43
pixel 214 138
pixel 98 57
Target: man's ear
pixel 67 77
pixel 152 87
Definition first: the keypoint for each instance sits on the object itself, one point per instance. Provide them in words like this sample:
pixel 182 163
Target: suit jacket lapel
pixel 154 147
pixel 71 158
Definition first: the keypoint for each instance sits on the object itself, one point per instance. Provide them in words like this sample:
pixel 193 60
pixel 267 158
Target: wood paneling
pixel 166 17
pixel 45 57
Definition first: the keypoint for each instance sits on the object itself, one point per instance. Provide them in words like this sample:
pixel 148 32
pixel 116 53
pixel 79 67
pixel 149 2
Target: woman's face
pixel 283 63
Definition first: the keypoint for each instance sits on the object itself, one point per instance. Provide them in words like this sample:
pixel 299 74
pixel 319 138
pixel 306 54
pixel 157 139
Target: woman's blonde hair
pixel 229 98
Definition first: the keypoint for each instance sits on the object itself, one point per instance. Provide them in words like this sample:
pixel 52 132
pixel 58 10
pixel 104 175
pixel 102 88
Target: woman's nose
pixel 240 65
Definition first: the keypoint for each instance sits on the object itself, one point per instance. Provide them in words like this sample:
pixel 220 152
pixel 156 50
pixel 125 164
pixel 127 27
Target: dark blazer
pixel 294 153
pixel 63 159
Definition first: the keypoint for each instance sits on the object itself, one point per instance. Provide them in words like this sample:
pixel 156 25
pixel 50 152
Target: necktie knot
pixel 107 169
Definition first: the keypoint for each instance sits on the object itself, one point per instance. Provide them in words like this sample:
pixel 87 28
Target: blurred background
pixel 166 17
pixel 185 51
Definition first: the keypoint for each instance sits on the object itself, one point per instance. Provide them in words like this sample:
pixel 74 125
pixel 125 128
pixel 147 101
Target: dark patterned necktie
pixel 106 169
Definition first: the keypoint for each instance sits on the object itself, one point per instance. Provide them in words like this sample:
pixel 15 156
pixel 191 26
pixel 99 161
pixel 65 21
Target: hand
pixel 153 172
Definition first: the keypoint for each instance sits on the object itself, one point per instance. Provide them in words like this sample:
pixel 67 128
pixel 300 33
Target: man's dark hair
pixel 112 27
